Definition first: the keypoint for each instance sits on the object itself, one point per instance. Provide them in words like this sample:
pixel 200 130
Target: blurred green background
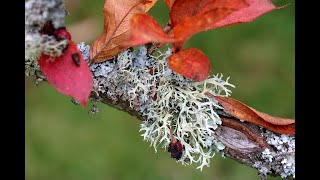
pixel 64 142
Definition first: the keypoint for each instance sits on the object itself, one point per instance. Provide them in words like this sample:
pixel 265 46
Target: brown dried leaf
pixel 246 113
pixel 117 15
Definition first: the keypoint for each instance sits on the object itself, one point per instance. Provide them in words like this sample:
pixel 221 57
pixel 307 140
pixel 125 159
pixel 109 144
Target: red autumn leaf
pixel 145 29
pixel 183 9
pixel 192 16
pixel 117 15
pixel 193 25
pixel 188 17
pixel 246 113
pixel 191 63
pixel 255 9
pixel 68 73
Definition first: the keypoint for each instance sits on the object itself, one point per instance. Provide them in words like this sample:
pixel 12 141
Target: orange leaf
pixel 189 17
pixel 117 15
pixel 145 29
pixel 191 63
pixel 254 9
pixel 183 9
pixel 246 113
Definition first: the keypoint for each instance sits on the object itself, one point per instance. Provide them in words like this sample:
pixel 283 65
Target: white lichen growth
pixel 167 100
pixel 37 13
pixel 85 51
pixel 281 160
pixel 182 106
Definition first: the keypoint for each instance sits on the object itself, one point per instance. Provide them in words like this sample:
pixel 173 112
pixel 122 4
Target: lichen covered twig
pixel 37 14
pixel 144 86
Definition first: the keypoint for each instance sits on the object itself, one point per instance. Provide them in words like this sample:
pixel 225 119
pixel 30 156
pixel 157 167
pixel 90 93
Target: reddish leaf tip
pixel 83 103
pixel 190 63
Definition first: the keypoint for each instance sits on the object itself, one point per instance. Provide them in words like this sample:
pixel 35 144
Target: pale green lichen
pixel 180 103
pixel 182 106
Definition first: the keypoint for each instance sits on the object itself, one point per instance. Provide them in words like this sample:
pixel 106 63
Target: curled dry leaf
pixel 68 73
pixel 117 15
pixel 191 63
pixel 246 113
pixel 145 29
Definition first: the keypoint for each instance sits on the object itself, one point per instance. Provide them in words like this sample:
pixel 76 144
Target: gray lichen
pixel 281 159
pixel 37 13
pixel 167 100
pixel 85 51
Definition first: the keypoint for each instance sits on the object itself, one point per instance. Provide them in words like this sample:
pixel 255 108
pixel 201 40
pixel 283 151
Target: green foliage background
pixel 64 142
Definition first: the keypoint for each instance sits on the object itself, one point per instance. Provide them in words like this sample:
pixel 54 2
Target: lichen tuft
pixel 167 100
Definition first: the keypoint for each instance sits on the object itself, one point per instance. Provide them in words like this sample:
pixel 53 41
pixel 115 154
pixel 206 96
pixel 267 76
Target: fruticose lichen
pixel 167 100
pixel 37 13
pixel 281 159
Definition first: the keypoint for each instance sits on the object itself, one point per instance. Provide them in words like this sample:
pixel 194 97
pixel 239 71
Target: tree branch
pixel 246 148
pixel 126 83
